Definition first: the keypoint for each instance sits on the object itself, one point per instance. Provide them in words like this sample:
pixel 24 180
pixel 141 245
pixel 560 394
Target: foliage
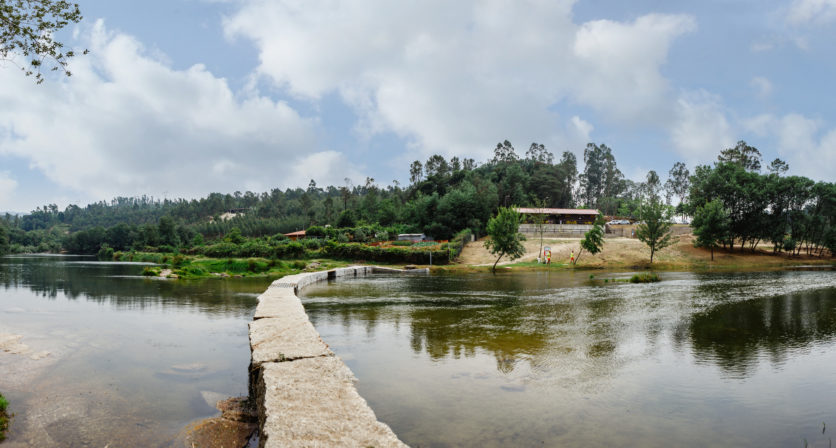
pixel 645 277
pixel 593 240
pixel 4 240
pixel 355 251
pixel 505 238
pixel 711 225
pixel 4 418
pixel 655 230
pixel 27 28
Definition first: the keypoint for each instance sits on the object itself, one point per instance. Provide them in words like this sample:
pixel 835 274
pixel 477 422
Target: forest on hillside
pixel 445 197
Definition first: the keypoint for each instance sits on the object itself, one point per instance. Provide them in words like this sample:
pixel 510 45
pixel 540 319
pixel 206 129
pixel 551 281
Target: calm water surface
pixel 131 359
pixel 556 359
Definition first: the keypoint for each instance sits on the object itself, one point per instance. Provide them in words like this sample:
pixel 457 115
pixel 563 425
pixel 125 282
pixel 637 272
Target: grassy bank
pixel 4 417
pixel 194 267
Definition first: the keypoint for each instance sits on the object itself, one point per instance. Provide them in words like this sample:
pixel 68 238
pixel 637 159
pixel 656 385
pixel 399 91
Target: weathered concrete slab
pixel 278 302
pixel 313 403
pixel 287 337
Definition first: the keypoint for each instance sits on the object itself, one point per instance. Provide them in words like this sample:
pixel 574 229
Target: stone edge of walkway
pixel 305 394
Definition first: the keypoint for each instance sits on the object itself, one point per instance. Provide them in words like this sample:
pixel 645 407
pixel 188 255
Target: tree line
pixel 445 196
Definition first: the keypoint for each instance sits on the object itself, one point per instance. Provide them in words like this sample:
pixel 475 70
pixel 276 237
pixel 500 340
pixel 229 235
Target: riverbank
pixel 632 254
pixel 4 417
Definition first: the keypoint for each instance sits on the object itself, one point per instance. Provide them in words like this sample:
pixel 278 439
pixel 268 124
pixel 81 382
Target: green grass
pixel 4 418
pixel 645 277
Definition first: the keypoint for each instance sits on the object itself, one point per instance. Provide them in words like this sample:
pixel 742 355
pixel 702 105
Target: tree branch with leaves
pixel 27 29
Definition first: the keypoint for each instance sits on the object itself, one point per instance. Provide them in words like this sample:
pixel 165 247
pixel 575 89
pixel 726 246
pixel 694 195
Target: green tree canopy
pixel 505 236
pixel 711 225
pixel 593 240
pixel 655 230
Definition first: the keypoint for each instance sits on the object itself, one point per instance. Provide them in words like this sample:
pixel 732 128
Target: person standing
pixel 572 257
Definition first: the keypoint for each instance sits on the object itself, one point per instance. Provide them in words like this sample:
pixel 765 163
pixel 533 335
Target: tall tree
pixel 678 183
pixel 743 155
pixel 537 153
pixel 416 172
pixel 778 167
pixel 505 236
pixel 655 230
pixel 504 153
pixel 711 225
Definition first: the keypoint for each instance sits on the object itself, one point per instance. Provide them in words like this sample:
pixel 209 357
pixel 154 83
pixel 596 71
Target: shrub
pixel 257 265
pixel 192 270
pixel 315 231
pixel 646 277
pixel 150 271
pixel 298 264
pixel 105 252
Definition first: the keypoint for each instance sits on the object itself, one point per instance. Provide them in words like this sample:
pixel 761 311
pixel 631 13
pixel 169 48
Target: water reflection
pixel 562 360
pixel 116 359
pixel 122 286
pixel 735 336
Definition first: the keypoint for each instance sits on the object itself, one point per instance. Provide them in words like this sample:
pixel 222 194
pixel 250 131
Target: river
pixel 559 359
pixel 106 357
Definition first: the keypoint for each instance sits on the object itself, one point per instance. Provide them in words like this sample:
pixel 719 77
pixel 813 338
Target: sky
pixel 180 98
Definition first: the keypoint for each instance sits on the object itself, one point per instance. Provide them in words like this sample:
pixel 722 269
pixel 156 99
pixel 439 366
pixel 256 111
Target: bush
pixel 192 270
pixel 105 252
pixel 298 264
pixel 257 265
pixel 355 251
pixel 646 277
pixel 312 243
pixel 149 271
pixel 315 231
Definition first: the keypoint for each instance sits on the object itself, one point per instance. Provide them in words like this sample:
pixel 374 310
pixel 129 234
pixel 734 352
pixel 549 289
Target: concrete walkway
pixel 305 394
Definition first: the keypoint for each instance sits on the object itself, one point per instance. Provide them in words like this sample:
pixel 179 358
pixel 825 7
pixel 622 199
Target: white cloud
pixel 762 86
pixel 126 123
pixel 620 64
pixel 8 185
pixel 701 129
pixel 803 142
pixel 454 77
pixel 804 12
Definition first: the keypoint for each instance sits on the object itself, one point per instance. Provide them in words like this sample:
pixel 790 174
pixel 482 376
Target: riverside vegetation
pixel 4 417
pixel 734 204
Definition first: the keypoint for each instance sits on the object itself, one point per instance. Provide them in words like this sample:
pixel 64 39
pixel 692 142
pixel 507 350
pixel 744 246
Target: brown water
pixel 131 360
pixel 557 359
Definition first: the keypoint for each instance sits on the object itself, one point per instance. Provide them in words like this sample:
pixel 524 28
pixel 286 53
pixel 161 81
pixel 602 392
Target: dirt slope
pixel 629 252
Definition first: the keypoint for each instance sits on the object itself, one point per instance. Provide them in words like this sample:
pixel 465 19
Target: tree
pixel 537 153
pixel 505 236
pixel 778 167
pixel 167 232
pixel 4 240
pixel 539 220
pixel 504 153
pixel 593 240
pixel 346 219
pixel 743 155
pixel 678 182
pixel 416 172
pixel 27 28
pixel 655 230
pixel 711 225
